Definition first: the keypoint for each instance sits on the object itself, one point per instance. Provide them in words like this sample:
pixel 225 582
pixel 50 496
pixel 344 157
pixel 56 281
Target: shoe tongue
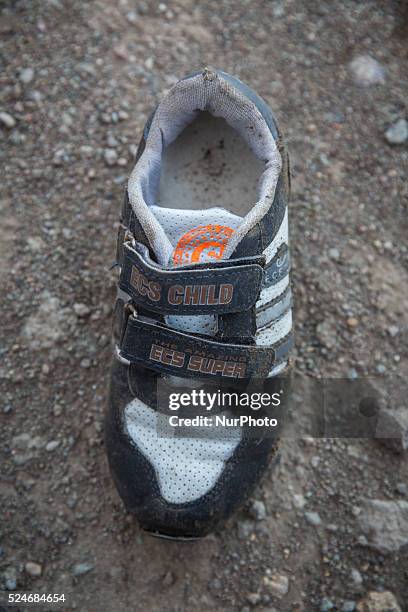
pixel 201 244
pixel 197 236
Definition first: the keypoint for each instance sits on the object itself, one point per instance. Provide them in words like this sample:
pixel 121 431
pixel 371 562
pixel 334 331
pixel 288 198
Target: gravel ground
pixel 78 80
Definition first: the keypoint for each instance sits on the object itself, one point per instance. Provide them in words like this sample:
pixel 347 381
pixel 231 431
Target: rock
pixel 215 584
pixel 278 584
pixel 299 501
pixel 25 441
pixel 149 63
pixel 132 17
pixel 254 598
pixel 33 569
pixel 51 446
pixel 402 488
pixel 384 524
pixel 16 137
pixel 313 518
pixel 327 334
pixel 245 529
pixel 59 157
pixel 80 569
pixel 356 577
pixel 35 95
pixel 121 51
pixel 67 120
pixel 111 141
pixel 257 510
pixel 367 71
pixel 168 579
pixel 392 429
pixel 349 606
pixel 393 330
pixel 334 254
pixel 379 602
pixel 81 310
pixel 352 322
pixel 10 579
pixel 110 156
pixel 397 133
pixel 315 461
pixel 326 605
pixel 7 120
pixel 57 410
pixel 46 326
pixel 27 75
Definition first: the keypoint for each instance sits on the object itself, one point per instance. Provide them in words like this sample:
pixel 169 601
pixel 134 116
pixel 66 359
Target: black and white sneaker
pixel 203 295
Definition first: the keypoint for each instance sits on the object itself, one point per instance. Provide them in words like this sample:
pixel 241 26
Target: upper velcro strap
pixel 211 288
pixel 278 267
pixel 171 352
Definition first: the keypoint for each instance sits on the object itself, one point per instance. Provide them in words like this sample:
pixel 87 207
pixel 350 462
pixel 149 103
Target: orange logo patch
pixel 204 240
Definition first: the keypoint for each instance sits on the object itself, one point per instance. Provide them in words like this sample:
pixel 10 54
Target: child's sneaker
pixel 203 295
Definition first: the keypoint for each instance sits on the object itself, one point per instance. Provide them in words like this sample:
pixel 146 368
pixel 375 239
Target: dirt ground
pixel 78 80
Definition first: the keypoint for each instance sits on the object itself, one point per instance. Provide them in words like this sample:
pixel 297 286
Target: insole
pixel 209 165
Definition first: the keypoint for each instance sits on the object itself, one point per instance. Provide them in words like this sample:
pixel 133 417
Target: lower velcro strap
pixel 172 352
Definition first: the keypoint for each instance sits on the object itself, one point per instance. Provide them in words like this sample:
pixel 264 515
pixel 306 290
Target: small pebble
pixel 278 584
pixel 7 120
pixel 313 518
pixel 59 157
pixel 149 63
pixel 257 510
pixel 16 137
pixel 27 75
pixel 121 51
pixel 131 17
pixel 80 569
pixel 367 71
pixel 356 576
pixel 326 605
pixel 299 501
pixel 51 446
pixel 397 133
pixel 352 322
pixel 334 254
pixel 57 410
pixel 402 489
pixel 315 460
pixel 254 598
pixel 393 330
pixel 110 156
pixel 10 579
pixel 33 569
pixel 168 579
pixel 81 310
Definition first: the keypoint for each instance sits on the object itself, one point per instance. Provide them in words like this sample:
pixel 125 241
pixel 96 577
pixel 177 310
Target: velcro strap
pixel 212 288
pixel 169 351
pixel 278 267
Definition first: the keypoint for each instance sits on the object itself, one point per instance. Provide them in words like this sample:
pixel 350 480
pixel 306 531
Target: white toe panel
pixel 186 468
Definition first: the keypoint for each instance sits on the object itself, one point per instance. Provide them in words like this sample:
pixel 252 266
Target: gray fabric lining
pixel 176 111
